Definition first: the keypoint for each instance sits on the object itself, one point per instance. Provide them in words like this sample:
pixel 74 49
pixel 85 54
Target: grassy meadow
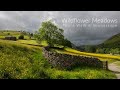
pixel 102 57
pixel 23 59
pixel 12 33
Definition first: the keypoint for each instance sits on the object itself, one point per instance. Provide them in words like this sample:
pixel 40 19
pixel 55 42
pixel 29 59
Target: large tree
pixel 50 33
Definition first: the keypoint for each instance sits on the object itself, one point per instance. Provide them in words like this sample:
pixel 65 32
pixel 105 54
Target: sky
pixel 103 24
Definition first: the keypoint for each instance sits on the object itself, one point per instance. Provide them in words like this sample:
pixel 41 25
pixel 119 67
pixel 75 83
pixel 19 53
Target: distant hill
pixel 4 33
pixel 113 42
pixel 111 45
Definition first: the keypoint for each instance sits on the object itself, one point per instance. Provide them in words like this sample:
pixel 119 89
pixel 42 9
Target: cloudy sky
pixel 75 31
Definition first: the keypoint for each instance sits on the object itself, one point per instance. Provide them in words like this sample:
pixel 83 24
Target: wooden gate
pixel 105 65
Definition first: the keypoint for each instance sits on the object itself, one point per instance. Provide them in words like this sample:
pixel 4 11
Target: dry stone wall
pixel 67 61
pixel 10 38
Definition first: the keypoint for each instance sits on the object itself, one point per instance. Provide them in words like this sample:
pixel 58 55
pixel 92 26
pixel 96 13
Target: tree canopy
pixel 50 33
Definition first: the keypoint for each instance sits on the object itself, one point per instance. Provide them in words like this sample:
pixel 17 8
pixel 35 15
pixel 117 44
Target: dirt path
pixel 115 68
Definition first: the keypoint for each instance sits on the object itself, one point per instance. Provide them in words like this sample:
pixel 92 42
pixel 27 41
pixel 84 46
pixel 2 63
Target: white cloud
pixel 3 16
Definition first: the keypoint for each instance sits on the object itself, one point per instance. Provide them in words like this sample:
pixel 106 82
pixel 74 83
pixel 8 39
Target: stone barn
pixel 10 38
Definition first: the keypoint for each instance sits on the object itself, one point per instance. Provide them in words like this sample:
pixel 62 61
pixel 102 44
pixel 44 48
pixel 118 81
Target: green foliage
pixel 67 43
pixel 14 33
pixel 108 50
pixel 25 62
pixel 110 46
pixel 21 37
pixel 30 35
pixel 113 42
pixel 80 73
pixel 21 62
pixel 89 48
pixel 50 33
pixel 24 32
pixel 8 33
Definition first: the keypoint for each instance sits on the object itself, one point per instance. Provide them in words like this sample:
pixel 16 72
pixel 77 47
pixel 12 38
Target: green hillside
pixel 113 42
pixel 18 61
pixel 4 33
pixel 110 46
pixel 23 61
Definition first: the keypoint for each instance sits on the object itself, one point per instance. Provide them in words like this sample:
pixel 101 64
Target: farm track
pixel 115 68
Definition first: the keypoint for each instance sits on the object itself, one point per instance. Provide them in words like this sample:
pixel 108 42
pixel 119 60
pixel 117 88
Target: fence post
pixel 106 65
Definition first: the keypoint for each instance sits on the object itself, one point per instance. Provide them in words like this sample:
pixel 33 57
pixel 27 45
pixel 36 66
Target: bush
pixel 21 37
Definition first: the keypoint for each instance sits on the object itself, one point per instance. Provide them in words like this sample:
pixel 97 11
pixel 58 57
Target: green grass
pixel 113 39
pixel 44 43
pixel 22 61
pixel 13 33
pixel 67 50
pixel 33 42
pixel 80 73
pixel 19 61
pixel 1 37
pixel 112 42
pixel 25 36
pixel 5 33
pixel 102 57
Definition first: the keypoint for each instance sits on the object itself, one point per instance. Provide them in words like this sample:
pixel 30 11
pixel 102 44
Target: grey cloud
pixel 31 21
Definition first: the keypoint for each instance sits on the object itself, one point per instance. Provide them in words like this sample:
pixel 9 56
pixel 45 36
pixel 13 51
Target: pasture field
pixel 12 33
pixel 23 59
pixel 19 60
pixel 102 57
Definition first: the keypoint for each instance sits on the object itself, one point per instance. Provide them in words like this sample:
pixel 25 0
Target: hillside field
pixel 23 59
pixel 12 33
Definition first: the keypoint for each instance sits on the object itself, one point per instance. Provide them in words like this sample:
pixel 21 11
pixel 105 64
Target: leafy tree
pixel 50 33
pixel 89 48
pixel 8 33
pixel 21 37
pixel 24 32
pixel 67 43
pixel 115 51
pixel 30 35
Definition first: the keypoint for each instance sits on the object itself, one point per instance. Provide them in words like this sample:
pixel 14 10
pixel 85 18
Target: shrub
pixel 21 37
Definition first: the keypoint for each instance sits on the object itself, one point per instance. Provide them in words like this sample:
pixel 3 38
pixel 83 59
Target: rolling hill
pixel 4 33
pixel 109 46
pixel 23 61
pixel 112 42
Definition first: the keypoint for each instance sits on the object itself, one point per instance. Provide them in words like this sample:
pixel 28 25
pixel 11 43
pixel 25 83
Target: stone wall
pixel 67 61
pixel 10 38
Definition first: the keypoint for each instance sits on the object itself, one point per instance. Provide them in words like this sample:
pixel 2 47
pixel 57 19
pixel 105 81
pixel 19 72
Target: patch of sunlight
pixel 28 42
